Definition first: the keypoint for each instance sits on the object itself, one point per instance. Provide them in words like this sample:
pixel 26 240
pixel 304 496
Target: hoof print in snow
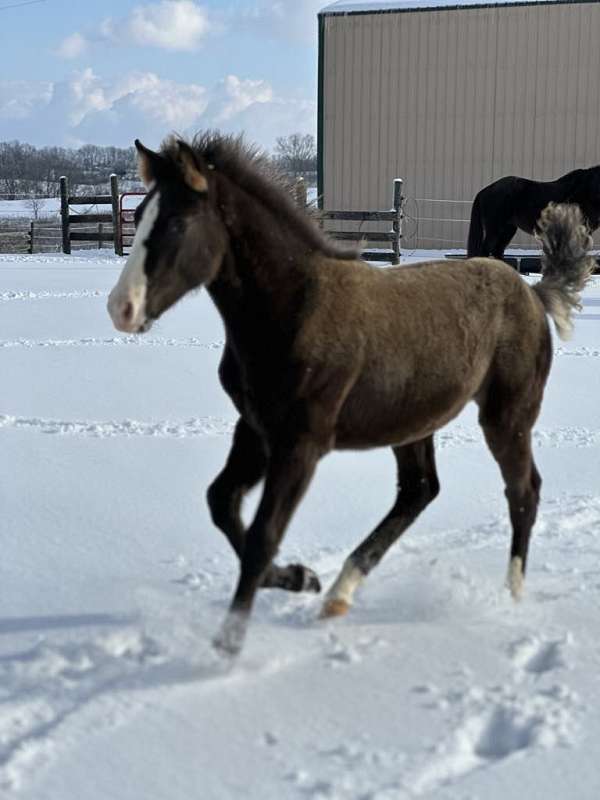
pixel 339 653
pixel 493 725
pixel 538 657
pixel 44 686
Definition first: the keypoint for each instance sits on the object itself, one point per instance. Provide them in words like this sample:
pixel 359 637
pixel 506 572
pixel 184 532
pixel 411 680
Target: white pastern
pixel 515 577
pixel 345 585
pixel 127 301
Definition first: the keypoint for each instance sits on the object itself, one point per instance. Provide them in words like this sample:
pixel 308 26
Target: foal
pixel 326 352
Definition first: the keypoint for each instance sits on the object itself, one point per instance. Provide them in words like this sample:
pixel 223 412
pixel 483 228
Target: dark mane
pixel 251 169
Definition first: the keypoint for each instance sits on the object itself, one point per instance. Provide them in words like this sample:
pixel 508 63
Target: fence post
pixel 300 192
pixel 114 192
pixel 397 223
pixel 30 247
pixel 100 230
pixel 64 213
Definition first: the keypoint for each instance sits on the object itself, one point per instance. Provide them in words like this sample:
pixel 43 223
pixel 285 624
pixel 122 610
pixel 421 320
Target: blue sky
pixel 77 72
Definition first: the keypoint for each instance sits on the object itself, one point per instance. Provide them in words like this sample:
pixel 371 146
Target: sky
pixel 107 72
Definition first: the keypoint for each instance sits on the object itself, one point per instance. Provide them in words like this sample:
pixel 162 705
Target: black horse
pixel 511 203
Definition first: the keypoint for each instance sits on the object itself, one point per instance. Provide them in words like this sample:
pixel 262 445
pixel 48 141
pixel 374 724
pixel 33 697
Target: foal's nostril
pixel 128 312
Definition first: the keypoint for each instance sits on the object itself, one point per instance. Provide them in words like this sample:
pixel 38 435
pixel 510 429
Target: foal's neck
pixel 268 269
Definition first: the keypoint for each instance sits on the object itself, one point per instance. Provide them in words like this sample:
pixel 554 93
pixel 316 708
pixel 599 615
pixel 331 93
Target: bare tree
pixel 36 205
pixel 26 170
pixel 296 154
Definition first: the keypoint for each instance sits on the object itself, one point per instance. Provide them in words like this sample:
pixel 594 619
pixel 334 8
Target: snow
pixel 114 580
pixel 375 6
pixel 46 206
pixel 50 207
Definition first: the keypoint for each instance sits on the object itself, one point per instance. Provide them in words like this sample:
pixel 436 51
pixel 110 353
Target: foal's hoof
pixel 228 642
pixel 225 648
pixel 334 608
pixel 293 578
pixel 310 580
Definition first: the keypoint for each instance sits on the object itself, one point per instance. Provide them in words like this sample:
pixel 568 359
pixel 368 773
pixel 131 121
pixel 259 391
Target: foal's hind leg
pixel 511 447
pixel 418 485
pixel 246 466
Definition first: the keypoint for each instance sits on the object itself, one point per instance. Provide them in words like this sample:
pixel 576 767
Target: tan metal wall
pixel 452 99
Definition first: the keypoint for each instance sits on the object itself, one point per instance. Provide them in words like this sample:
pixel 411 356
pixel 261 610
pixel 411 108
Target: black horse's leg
pixel 245 467
pixel 418 485
pixel 288 474
pixel 502 237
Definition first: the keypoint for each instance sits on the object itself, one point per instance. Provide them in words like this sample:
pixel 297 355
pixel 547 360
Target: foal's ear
pixel 190 169
pixel 150 163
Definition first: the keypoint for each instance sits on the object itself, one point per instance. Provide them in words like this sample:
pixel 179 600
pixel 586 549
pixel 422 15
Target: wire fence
pixel 424 228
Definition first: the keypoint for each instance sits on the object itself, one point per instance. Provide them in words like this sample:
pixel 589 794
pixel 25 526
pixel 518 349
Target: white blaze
pixel 129 295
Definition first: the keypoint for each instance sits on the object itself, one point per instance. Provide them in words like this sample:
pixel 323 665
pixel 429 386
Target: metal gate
pixel 126 222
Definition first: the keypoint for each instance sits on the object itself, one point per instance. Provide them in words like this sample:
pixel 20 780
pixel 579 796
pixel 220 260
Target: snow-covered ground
pixel 45 207
pixel 113 581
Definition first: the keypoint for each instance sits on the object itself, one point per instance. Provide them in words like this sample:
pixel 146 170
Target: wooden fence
pixel 45 236
pixel 393 237
pixel 14 235
pixel 76 227
pixel 82 230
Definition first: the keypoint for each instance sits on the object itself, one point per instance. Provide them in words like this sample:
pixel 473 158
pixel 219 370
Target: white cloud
pixel 144 106
pixel 184 25
pixel 87 108
pixel 284 19
pixel 263 123
pixel 170 24
pixel 20 100
pixel 178 25
pixel 233 95
pixel 73 46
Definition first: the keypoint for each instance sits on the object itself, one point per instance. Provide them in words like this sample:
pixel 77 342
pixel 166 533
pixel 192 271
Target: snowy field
pixel 50 207
pixel 113 581
pixel 46 207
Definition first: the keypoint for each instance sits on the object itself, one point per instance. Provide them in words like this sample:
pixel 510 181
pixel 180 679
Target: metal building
pixel 450 95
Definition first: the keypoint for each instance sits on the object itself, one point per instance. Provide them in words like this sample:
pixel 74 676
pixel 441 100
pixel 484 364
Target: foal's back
pixel 417 343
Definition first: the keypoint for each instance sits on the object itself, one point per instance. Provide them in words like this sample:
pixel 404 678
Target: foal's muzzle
pixel 127 315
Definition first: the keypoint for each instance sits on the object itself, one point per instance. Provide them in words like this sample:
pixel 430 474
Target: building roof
pixel 378 6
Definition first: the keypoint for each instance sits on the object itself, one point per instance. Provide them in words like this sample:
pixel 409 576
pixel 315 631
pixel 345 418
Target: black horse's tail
pixel 566 265
pixel 475 240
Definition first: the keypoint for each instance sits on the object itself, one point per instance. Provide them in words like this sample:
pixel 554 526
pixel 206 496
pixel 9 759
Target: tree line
pixel 26 170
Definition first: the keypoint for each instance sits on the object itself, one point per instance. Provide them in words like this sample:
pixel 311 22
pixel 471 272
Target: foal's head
pixel 179 242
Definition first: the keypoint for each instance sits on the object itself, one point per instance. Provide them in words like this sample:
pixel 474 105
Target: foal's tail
pixel 475 240
pixel 566 265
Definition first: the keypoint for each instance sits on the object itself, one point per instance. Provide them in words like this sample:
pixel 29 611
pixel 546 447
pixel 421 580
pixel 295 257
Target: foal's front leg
pixel 288 474
pixel 246 465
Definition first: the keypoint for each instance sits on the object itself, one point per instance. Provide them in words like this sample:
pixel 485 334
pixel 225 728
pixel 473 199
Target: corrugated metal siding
pixel 450 100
